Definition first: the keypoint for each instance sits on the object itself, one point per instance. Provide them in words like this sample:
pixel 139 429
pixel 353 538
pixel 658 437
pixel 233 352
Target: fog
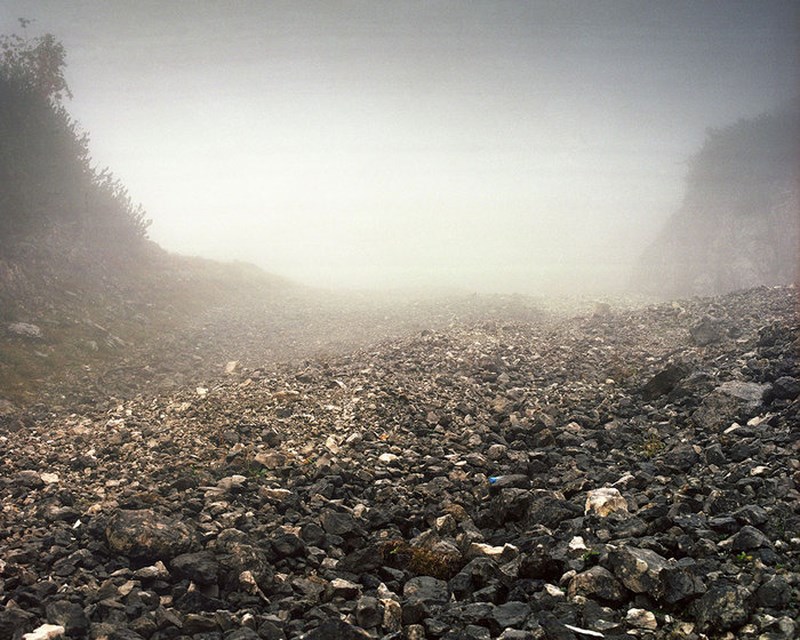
pixel 486 146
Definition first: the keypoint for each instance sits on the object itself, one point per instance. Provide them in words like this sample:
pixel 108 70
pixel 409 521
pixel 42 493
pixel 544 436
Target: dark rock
pixel 722 608
pixel 514 480
pixel 198 602
pixel 200 567
pixel 680 582
pixel 749 538
pixel 549 510
pixel 681 458
pixel 542 563
pixel 337 630
pixel 244 633
pixel 235 555
pixel 423 596
pixel 362 560
pixel 638 569
pixel 509 505
pixel 708 331
pixel 664 381
pixel 69 615
pixel 775 593
pixel 194 623
pixel 288 545
pixel 369 612
pixel 147 536
pixel 14 622
pixel 597 582
pixel 786 388
pixel 339 524
pixel 509 614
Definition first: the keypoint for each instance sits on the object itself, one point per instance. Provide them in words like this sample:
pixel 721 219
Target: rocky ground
pixel 620 473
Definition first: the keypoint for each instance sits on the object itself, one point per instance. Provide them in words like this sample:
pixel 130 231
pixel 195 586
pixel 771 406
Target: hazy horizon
pixel 489 146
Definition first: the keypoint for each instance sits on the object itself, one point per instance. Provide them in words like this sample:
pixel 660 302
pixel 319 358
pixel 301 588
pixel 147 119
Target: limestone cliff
pixel 739 224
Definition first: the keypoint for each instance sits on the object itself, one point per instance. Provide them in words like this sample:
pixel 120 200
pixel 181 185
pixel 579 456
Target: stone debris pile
pixel 630 473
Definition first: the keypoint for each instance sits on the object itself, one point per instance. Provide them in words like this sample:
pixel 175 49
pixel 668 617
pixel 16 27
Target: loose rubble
pixel 630 473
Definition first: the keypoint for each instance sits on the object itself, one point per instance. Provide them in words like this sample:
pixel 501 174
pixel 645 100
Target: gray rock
pixel 733 400
pixel 786 388
pixel 148 536
pixel 680 582
pixel 25 330
pixel 783 628
pixel 664 381
pixel 200 567
pixel 749 538
pixel 722 608
pixel 638 569
pixel 423 596
pixel 338 523
pixel 369 612
pixel 334 629
pixel 510 614
pixel 775 593
pixel 597 582
pixel 69 615
pixel 708 331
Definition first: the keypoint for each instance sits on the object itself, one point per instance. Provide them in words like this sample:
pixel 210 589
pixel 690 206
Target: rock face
pixel 738 226
pixel 611 475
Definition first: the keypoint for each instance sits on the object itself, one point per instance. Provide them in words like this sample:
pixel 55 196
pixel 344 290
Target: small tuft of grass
pixel 421 561
pixel 651 446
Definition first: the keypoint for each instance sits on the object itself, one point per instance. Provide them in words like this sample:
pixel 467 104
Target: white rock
pixel 49 478
pixel 500 554
pixel 231 482
pixel 387 458
pixel 45 632
pixel 605 501
pixel 276 495
pixel 331 445
pixel 641 619
pixel 577 544
pixel 25 329
pixel 554 592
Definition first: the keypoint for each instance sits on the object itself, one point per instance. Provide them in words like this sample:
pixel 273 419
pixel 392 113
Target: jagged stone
pixel 423 596
pixel 638 569
pixel 597 582
pixel 148 536
pixel 723 607
pixel 200 567
pixel 605 501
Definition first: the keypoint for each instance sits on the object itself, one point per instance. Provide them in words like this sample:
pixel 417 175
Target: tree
pixel 47 183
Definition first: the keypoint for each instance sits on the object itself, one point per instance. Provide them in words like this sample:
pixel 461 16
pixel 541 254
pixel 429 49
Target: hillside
pixel 739 225
pixel 86 299
pixel 628 473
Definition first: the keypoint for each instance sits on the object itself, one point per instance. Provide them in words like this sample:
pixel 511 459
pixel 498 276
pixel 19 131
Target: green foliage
pixel 35 65
pixel 591 557
pixel 48 187
pixel 651 446
pixel 748 158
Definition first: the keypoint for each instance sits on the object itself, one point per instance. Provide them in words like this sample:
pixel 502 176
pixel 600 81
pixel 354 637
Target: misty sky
pixel 490 145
